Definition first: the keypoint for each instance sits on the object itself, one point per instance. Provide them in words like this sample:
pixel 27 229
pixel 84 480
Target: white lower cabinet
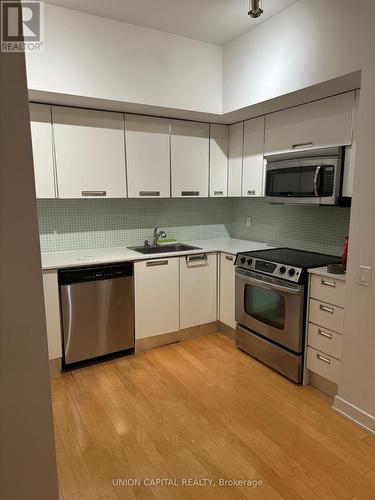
pixel 227 290
pixel 198 290
pixel 156 297
pixel 52 308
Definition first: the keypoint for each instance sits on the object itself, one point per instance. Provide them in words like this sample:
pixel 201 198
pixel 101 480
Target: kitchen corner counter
pixel 78 258
pixel 322 271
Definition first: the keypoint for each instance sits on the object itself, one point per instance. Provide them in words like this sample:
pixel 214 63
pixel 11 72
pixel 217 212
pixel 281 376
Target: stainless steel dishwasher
pixel 97 305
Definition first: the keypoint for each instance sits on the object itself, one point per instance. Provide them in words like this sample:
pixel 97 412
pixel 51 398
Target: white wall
pixel 307 43
pixel 27 452
pixel 101 58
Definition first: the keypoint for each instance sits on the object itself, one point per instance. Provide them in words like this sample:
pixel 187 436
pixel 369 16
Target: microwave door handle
pixel 316 179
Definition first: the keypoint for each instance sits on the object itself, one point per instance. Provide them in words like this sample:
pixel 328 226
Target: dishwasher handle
pixel 95 273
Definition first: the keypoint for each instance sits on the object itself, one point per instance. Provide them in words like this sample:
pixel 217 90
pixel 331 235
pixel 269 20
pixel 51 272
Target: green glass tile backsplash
pixel 83 224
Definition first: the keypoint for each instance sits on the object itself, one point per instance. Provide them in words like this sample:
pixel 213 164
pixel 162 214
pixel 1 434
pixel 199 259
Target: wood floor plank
pixel 201 409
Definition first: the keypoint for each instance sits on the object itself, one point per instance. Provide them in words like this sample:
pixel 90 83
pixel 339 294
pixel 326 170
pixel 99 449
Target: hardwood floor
pixel 203 409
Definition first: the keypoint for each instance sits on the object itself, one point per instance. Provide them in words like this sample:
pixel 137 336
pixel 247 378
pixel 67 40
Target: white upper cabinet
pixel 319 124
pixel 253 165
pixel 41 136
pixel 90 153
pixel 219 146
pixel 147 156
pixel 350 152
pixel 235 159
pixel 189 158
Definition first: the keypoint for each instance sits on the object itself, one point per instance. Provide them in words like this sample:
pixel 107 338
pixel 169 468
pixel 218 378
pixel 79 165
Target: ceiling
pixel 212 21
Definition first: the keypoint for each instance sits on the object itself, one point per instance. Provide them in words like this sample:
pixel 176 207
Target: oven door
pixel 271 308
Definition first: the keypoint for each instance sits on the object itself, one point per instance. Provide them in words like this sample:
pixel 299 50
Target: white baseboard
pixel 360 417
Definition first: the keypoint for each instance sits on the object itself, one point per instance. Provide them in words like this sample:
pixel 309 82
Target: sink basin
pixel 175 247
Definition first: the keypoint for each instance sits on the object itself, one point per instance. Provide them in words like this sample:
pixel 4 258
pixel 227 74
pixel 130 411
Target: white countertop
pixel 74 258
pixel 322 271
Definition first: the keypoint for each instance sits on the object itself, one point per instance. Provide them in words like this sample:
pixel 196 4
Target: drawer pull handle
pixel 302 145
pixel 189 193
pixel 154 263
pixel 94 193
pixel 196 258
pixel 218 193
pixel 251 192
pixel 328 283
pixel 149 193
pixel 228 257
pixel 329 310
pixel 325 334
pixel 323 358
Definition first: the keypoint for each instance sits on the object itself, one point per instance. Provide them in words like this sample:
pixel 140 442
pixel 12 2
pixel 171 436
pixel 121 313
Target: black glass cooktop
pixel 293 257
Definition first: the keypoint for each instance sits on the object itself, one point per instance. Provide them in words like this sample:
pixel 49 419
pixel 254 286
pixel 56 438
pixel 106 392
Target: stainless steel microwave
pixel 305 177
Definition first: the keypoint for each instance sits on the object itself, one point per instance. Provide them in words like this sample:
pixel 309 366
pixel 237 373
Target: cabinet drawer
pixel 323 364
pixel 325 340
pixel 326 315
pixel 328 290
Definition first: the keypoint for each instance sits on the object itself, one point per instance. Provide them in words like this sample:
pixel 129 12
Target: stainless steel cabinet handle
pixel 302 145
pixel 251 192
pixel 228 257
pixel 189 193
pixel 149 193
pixel 325 334
pixel 328 283
pixel 94 193
pixel 196 258
pixel 323 358
pixel 153 263
pixel 218 193
pixel 326 309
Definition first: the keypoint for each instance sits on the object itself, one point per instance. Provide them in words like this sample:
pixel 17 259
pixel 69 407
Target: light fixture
pixel 254 8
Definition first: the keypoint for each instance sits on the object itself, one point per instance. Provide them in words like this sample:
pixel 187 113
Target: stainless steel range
pixel 271 305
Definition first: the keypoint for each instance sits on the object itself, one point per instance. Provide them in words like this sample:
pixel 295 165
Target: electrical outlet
pixel 365 275
pixel 249 221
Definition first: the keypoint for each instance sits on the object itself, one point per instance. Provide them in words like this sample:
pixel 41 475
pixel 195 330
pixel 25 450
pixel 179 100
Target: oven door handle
pixel 270 286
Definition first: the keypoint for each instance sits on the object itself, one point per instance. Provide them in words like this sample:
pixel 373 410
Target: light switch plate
pixel 249 221
pixel 364 276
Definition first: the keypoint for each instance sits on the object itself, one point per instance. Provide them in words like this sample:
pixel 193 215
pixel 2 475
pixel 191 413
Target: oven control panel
pixel 283 271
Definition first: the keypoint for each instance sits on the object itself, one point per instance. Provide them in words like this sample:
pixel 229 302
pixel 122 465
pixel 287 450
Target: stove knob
pixel 249 261
pixel 282 270
pixel 242 260
pixel 291 272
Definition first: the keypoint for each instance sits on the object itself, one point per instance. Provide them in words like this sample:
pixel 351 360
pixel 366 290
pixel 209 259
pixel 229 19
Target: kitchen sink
pixel 175 247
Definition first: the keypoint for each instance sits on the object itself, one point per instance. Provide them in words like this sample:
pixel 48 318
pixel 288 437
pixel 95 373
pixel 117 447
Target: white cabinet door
pixel 252 180
pixel 219 144
pixel 350 153
pixel 52 308
pixel 90 153
pixel 41 136
pixel 147 156
pixel 189 158
pixel 235 159
pixel 198 290
pixel 227 290
pixel 324 123
pixel 156 297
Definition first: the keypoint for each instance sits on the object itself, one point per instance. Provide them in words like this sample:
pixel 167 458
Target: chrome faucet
pixel 155 237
